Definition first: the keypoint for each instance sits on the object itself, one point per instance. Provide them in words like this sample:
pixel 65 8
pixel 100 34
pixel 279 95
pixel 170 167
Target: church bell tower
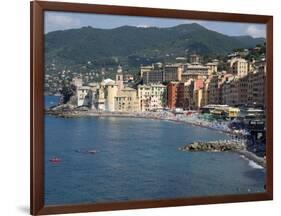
pixel 119 78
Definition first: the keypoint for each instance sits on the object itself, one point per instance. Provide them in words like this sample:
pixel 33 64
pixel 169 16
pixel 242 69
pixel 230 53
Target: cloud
pixel 194 21
pixel 254 31
pixel 143 26
pixel 59 22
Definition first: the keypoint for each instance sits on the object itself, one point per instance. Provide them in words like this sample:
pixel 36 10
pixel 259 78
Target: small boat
pixel 55 160
pixel 86 151
pixel 92 151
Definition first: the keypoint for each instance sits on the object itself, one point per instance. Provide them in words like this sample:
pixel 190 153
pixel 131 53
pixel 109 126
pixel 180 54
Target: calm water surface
pixel 137 159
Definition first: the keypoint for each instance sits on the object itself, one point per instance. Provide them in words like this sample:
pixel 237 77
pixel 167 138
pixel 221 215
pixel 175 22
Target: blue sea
pixel 137 159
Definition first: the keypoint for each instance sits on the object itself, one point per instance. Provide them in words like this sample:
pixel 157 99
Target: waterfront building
pixel 158 96
pixel 127 100
pixel 230 91
pixel 83 93
pixel 144 97
pixel 111 93
pixel 100 97
pixel 188 94
pixel 238 66
pixel 190 86
pixel 151 96
pixel 185 95
pixel 84 96
pixel 181 94
pixel 94 88
pixel 156 103
pixel 172 72
pixel 172 94
pixel 242 88
pixel 257 85
pixel 246 90
pixel 214 96
pixel 205 94
pixel 212 91
pixel 180 100
pixel 215 84
pixel 198 94
pixel 198 98
pixel 235 91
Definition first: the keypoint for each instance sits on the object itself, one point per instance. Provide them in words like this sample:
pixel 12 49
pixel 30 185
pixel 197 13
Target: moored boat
pixel 55 160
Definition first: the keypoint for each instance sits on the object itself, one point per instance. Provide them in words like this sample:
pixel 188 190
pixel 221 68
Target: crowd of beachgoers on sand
pixel 194 118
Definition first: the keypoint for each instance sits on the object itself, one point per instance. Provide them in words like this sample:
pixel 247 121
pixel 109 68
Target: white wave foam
pixel 254 165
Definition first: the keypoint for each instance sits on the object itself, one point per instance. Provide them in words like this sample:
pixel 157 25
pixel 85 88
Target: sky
pixel 67 20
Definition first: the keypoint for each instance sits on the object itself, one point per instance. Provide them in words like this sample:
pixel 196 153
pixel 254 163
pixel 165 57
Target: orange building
pixel 172 90
pixel 175 92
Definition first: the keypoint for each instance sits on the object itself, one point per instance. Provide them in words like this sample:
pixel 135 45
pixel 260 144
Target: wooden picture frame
pixel 37 158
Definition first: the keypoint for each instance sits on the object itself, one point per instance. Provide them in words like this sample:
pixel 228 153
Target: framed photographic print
pixel 142 107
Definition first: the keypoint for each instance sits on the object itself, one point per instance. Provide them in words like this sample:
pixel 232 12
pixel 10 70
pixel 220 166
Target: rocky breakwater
pixel 217 146
pixel 67 111
pixel 222 146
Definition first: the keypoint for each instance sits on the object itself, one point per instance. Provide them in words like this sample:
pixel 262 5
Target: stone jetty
pixel 219 145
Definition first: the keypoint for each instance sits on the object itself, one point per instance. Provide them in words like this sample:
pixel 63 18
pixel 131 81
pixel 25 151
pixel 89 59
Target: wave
pixel 252 163
pixel 255 165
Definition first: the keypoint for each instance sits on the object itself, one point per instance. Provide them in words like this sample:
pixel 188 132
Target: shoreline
pixel 141 115
pixel 155 116
pixel 252 157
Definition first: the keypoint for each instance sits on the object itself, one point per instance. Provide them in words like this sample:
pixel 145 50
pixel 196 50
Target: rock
pixel 82 108
pixel 220 145
pixel 63 107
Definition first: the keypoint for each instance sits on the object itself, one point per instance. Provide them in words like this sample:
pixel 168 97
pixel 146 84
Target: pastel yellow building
pixel 111 93
pixel 127 100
